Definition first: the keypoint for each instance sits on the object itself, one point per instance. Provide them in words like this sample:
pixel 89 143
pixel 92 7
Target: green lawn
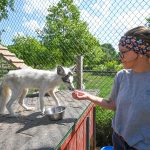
pixel 101 83
pixel 103 117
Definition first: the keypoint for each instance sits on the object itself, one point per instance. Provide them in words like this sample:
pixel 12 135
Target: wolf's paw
pixel 27 107
pixel 30 108
pixel 43 112
pixel 14 115
pixel 2 113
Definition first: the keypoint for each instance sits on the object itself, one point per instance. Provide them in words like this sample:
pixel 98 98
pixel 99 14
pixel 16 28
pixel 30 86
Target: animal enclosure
pixel 46 33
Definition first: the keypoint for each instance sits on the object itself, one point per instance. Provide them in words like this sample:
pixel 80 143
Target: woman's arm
pixel 80 95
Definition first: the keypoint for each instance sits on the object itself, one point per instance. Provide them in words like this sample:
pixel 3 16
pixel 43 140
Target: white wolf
pixel 16 83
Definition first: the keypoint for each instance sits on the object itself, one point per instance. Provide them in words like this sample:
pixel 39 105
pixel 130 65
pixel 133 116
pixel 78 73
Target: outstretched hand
pixel 80 95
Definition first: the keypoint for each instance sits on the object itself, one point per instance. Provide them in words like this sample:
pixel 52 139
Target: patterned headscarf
pixel 135 44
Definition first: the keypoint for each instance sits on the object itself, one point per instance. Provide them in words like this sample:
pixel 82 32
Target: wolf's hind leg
pixel 21 100
pixel 14 96
pixel 4 97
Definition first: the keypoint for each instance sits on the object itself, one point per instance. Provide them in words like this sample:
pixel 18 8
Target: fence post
pixel 79 72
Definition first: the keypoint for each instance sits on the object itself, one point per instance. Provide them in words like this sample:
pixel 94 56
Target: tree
pixel 109 60
pixel 148 22
pixel 66 36
pixel 31 51
pixel 4 6
pixel 110 52
pixel 1 32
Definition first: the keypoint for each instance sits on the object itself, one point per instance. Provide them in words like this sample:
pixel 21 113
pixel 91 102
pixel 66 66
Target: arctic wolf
pixel 16 83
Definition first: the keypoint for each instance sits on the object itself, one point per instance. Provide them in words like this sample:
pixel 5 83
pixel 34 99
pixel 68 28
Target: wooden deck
pixel 31 131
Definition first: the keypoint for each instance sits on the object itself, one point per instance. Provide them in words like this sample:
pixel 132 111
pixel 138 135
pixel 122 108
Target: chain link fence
pixel 47 33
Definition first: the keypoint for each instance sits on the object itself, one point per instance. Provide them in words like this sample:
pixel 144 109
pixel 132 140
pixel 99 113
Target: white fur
pixel 16 83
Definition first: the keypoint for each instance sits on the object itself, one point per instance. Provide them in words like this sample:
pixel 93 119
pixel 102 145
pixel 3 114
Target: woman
pixel 130 96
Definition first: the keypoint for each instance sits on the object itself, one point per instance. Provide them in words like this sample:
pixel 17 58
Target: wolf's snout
pixel 71 88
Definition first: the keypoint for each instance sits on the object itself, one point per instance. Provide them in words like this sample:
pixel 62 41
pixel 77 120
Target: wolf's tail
pixel 4 96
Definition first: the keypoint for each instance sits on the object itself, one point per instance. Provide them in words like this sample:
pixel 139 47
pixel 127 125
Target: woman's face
pixel 128 57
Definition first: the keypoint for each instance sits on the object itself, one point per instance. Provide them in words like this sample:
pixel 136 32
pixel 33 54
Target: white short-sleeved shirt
pixel 131 93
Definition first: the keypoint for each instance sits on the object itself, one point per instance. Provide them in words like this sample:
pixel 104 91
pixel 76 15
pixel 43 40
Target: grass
pixel 101 83
pixel 103 117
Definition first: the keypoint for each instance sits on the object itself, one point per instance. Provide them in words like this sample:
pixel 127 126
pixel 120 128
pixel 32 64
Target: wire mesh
pixel 45 33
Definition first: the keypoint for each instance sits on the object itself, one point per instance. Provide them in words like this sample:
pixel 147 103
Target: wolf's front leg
pixel 21 100
pixel 52 93
pixel 41 96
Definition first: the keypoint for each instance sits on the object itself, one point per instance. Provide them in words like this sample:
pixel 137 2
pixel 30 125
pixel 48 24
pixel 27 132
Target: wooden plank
pixel 91 129
pixel 6 53
pixel 80 137
pixel 2 47
pixel 20 65
pixel 84 133
pixel 13 59
pixel 17 63
pixel 72 144
pixel 33 131
pixel 77 125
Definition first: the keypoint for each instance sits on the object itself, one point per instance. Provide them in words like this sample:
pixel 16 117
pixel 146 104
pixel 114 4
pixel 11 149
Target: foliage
pixel 63 38
pixel 109 60
pixel 66 36
pixel 31 51
pixel 112 65
pixel 4 6
pixel 106 58
pixel 109 66
pixel 148 22
pixel 102 83
pixel 103 126
pixel 110 52
pixel 95 58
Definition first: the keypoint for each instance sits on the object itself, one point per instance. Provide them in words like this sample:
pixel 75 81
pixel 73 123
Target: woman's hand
pixel 80 95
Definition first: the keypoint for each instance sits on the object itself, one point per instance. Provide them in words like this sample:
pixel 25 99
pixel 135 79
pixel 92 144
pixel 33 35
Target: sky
pixel 107 20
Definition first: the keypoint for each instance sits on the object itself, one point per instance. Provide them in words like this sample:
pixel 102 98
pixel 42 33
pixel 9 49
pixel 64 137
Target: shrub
pixel 103 126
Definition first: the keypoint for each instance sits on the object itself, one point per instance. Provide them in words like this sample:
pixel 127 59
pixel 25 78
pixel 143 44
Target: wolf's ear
pixel 60 70
pixel 73 68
